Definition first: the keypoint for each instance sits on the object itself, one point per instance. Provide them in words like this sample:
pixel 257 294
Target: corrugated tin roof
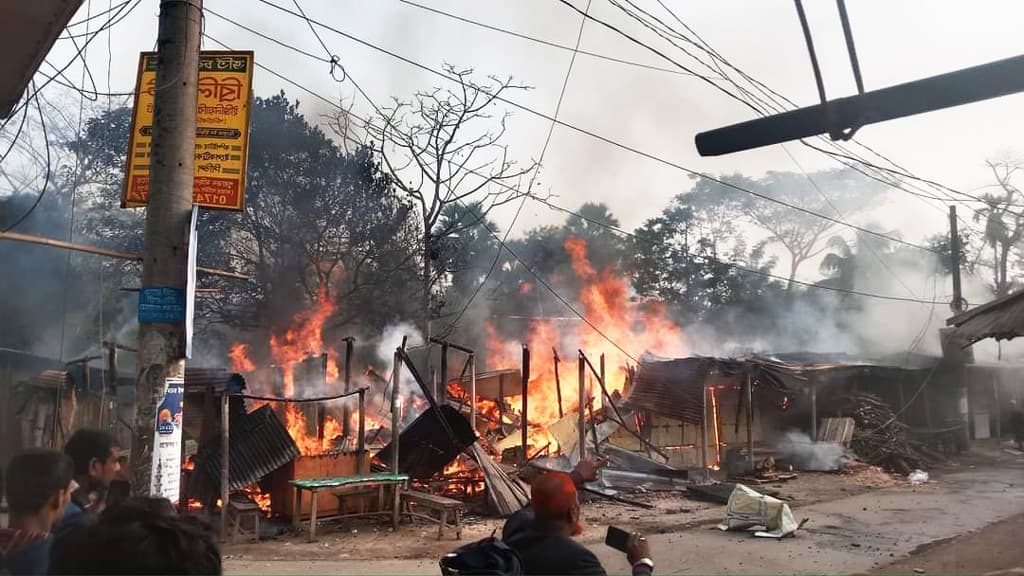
pixel 1001 319
pixel 675 388
pixel 259 444
pixel 28 30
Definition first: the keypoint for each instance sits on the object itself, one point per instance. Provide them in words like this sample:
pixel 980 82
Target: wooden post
pixel 814 409
pixel 346 412
pixel 111 408
pixel 442 381
pixel 395 382
pixel 361 442
pixel 558 384
pixel 321 410
pixel 524 422
pixel 501 400
pixel 996 408
pixel 601 375
pixel 472 392
pixel 225 456
pixel 704 431
pixel 582 401
pixel 750 420
pixel 395 432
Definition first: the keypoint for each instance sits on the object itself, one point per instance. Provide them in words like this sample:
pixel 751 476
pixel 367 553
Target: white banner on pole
pixel 165 481
pixel 190 281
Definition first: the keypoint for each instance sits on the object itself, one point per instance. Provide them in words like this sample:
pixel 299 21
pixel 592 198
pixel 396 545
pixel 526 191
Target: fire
pixel 302 340
pixel 604 296
pixel 240 361
pixel 258 496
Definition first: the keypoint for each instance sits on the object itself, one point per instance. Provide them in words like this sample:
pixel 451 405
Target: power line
pixel 774 106
pixel 46 178
pixel 605 139
pixel 529 187
pixel 543 42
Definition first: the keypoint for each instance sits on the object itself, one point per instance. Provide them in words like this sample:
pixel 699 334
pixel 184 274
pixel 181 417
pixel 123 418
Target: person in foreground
pixel 139 536
pixel 95 457
pixel 546 546
pixel 585 471
pixel 39 486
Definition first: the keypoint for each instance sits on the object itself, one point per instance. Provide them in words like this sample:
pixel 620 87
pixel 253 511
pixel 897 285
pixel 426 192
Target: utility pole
pixel 162 346
pixel 954 266
pixel 958 307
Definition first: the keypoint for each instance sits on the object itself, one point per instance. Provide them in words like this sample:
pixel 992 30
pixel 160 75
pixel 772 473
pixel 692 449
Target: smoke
pixel 391 338
pixel 809 455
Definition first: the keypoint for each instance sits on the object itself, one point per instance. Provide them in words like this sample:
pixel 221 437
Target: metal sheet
pixel 259 444
pixel 1001 319
pixel 28 29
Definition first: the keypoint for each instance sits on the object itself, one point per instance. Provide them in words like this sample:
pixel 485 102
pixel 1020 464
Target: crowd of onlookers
pixel 60 520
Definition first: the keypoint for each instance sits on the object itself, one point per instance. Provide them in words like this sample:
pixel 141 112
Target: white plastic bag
pixel 918 477
pixel 748 508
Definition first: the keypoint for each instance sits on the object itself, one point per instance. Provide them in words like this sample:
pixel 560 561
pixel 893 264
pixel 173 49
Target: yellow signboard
pixel 222 131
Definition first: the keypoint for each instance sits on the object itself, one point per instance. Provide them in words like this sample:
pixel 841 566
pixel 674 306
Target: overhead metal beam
pixel 28 29
pixel 984 82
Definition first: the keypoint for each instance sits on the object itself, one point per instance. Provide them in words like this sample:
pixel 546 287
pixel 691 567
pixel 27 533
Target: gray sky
pixel 654 111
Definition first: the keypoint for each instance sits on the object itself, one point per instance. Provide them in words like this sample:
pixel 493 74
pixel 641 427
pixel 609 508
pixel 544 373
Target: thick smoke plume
pixel 809 455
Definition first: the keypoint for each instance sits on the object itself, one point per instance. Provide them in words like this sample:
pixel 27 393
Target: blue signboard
pixel 161 305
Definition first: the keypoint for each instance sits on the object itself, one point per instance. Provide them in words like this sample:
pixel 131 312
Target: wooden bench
pixel 443 506
pixel 238 511
pixel 335 485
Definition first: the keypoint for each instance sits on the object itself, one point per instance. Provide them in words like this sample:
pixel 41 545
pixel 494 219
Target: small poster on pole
pixel 165 481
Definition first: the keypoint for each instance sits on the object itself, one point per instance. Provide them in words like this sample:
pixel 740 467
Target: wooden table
pixel 316 485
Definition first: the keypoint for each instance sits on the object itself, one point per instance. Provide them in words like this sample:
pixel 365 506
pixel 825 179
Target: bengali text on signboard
pixel 222 131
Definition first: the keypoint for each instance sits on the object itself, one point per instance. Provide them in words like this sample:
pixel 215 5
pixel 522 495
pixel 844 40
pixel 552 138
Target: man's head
pixel 94 453
pixel 554 500
pixel 137 537
pixel 38 485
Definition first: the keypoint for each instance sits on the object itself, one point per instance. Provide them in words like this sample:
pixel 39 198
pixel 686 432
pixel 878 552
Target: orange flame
pixel 240 361
pixel 261 498
pixel 604 295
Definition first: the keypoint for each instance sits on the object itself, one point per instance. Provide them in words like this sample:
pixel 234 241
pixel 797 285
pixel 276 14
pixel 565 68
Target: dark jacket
pixel 546 551
pixel 24 553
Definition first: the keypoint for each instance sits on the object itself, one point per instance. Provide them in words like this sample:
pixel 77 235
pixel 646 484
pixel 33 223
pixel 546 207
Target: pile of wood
pixel 505 493
pixel 879 437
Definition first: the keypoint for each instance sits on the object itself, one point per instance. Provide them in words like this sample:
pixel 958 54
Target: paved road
pixel 854 534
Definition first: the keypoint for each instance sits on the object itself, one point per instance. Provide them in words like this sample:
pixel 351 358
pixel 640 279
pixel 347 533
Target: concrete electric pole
pixel 161 346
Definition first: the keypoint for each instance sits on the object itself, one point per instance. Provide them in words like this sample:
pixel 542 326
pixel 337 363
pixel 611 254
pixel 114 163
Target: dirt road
pixel 995 547
pixel 849 534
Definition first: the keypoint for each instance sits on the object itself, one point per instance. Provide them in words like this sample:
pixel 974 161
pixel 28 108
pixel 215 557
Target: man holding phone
pixel 546 545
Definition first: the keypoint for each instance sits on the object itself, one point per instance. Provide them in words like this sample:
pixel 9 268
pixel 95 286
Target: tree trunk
pixel 427 259
pixel 794 263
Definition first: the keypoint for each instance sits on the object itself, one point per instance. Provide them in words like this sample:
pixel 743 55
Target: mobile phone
pixel 617 538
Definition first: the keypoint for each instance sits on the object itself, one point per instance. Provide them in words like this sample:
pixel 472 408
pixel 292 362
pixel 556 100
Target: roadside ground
pixel 856 523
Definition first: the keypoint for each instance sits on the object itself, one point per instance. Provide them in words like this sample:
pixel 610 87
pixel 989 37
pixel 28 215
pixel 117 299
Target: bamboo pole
pixel 41 241
pixel 472 392
pixel 558 384
pixel 361 442
pixel 582 400
pixel 225 457
pixel 524 422
pixel 750 420
pixel 704 431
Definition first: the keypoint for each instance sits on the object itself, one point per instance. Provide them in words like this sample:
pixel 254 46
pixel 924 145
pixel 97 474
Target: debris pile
pixel 879 437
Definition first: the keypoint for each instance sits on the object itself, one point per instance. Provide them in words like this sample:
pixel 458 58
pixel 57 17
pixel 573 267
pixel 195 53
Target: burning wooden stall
pixel 700 408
